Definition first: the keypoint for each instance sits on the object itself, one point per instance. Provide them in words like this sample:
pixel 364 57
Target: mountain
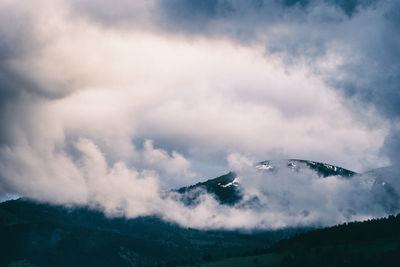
pixel 38 234
pixel 321 169
pixel 226 188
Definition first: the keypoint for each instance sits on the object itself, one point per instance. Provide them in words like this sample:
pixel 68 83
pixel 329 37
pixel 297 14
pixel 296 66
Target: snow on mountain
pixel 235 182
pixel 322 169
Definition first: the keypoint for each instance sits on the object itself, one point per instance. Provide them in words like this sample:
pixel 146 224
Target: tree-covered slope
pixel 48 235
pixel 369 243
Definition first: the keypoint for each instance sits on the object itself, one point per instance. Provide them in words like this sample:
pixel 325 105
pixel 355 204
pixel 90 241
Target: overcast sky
pixel 165 91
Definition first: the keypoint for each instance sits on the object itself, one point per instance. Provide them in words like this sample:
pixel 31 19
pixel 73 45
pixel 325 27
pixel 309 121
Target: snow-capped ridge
pixel 322 169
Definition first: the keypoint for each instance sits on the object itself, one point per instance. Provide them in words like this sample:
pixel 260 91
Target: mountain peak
pixel 227 190
pixel 322 169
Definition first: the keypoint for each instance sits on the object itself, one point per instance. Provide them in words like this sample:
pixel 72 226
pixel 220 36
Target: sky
pixel 109 103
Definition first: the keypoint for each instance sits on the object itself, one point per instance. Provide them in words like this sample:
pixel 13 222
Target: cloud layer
pixel 109 105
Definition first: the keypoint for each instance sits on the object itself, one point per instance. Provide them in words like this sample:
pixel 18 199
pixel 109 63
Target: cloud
pixel 116 189
pixel 175 167
pixel 98 99
pixel 283 199
pixel 303 198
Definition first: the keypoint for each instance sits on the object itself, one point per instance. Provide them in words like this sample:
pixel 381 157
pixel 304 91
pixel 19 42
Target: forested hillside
pixel 370 243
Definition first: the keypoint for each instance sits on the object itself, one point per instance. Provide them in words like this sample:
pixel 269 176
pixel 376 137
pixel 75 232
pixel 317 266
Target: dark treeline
pixel 49 235
pixel 374 242
pixel 46 235
pixel 353 232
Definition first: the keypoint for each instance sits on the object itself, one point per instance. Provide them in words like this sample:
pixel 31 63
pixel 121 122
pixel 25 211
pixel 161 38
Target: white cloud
pixel 89 93
pixel 175 167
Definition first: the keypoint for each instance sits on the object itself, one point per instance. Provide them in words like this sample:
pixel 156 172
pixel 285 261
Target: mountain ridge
pixel 227 190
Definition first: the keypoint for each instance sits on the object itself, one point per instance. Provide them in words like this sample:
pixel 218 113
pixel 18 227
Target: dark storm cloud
pixel 243 20
pixel 237 19
pixel 375 79
pixel 196 15
pixel 20 41
pixel 16 42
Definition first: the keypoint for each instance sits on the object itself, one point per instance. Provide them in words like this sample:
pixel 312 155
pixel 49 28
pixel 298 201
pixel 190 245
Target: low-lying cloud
pixel 271 200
